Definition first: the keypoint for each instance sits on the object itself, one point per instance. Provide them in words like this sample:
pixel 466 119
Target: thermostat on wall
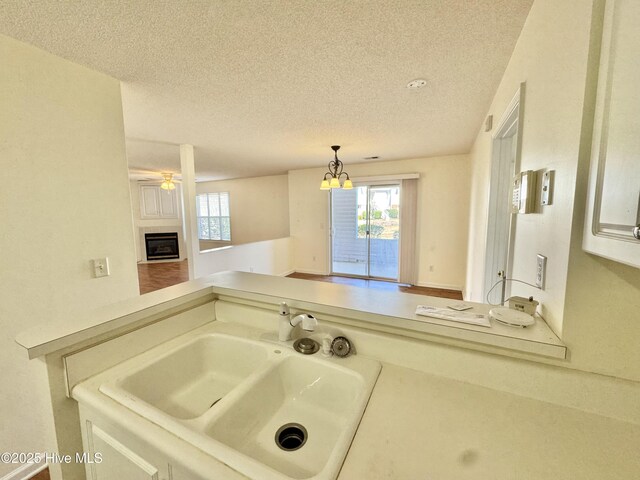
pixel 511 317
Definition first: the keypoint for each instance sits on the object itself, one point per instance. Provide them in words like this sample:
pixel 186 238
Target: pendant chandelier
pixel 332 177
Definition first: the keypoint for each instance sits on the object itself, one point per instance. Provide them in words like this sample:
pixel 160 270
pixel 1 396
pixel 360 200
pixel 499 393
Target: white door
pixel 505 152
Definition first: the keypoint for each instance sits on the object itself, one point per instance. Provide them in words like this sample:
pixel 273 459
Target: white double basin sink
pixel 261 408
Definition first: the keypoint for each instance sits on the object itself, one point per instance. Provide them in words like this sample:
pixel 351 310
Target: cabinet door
pixel 613 206
pixel 168 203
pixel 149 201
pixel 116 461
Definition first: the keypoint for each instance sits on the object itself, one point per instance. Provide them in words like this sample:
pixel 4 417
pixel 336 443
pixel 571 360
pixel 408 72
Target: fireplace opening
pixel 161 246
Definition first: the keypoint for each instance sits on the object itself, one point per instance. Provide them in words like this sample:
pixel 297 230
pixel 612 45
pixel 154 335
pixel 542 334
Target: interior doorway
pixel 365 231
pixel 501 223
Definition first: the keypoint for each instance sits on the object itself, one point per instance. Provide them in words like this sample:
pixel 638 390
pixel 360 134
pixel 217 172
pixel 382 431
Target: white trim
pixel 25 472
pixel 514 104
pixel 309 272
pixel 499 240
pixel 288 272
pixel 385 178
pixel 439 285
pixel 226 247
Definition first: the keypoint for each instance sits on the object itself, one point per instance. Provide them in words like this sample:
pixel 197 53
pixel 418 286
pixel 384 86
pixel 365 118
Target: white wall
pixel 271 257
pixel 443 205
pixel 65 201
pixel 259 207
pixel 591 303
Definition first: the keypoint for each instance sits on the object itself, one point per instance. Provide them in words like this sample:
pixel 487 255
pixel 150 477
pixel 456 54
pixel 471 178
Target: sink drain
pixel 291 436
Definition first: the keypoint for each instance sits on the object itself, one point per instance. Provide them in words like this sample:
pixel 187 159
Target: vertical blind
pixel 408 219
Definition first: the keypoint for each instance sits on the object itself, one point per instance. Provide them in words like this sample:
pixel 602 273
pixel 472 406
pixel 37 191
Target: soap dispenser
pixel 284 327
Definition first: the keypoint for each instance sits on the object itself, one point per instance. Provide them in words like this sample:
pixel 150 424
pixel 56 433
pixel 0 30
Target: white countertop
pixel 393 310
pixel 420 426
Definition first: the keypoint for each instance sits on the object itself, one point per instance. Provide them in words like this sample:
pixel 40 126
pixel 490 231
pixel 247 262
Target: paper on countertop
pixel 454 316
pixel 460 306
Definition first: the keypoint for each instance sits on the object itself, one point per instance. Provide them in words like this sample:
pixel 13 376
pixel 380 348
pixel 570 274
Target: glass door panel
pixel 348 234
pixel 384 231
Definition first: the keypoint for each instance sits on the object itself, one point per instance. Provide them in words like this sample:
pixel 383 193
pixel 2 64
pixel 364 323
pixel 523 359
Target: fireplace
pixel 161 246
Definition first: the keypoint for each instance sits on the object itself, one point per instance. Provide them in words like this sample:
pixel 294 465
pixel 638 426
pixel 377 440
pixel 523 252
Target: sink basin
pixel 322 397
pixel 186 382
pixel 264 410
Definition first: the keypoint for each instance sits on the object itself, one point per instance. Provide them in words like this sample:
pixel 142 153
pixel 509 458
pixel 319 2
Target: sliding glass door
pixel 365 231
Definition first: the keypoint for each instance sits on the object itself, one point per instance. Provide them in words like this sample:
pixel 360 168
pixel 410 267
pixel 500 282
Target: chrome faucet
pixel 307 322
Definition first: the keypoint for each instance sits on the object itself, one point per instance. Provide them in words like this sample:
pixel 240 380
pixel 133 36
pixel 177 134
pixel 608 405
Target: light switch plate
pixel 541 271
pixel 101 267
pixel 546 197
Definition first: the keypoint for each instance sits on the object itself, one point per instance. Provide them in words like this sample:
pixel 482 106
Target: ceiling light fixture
pixel 332 177
pixel 168 182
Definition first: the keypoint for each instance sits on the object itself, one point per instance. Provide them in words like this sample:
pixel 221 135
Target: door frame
pixel 356 184
pixel 503 174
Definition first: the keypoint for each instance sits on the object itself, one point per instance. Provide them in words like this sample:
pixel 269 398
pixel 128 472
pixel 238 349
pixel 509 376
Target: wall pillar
pixel 187 167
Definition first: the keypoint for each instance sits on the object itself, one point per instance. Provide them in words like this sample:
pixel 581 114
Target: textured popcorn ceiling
pixel 261 87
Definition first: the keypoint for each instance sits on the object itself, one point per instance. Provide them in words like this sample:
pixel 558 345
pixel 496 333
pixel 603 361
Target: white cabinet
pixel 158 203
pixel 612 223
pixel 113 460
pixel 131 451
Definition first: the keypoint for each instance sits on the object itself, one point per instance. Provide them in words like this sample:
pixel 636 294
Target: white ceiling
pixel 261 87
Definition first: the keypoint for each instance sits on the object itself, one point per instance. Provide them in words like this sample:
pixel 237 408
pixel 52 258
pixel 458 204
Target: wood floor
pixel 43 475
pixel 154 276
pixel 381 285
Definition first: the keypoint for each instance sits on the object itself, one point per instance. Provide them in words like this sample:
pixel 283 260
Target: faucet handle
pixel 284 308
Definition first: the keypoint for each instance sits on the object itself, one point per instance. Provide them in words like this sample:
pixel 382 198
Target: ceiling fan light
pixel 168 182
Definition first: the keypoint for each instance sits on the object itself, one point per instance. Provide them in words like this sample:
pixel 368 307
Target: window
pixel 213 216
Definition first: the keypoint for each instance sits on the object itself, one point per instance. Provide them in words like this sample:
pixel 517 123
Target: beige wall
pixel 591 303
pixel 259 208
pixel 67 201
pixel 443 197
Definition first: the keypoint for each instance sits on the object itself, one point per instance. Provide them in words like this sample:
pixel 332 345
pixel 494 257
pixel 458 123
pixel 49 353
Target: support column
pixel 188 170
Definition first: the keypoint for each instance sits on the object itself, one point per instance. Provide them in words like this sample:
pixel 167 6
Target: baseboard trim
pixel 439 285
pixel 288 272
pixel 25 472
pixel 309 272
